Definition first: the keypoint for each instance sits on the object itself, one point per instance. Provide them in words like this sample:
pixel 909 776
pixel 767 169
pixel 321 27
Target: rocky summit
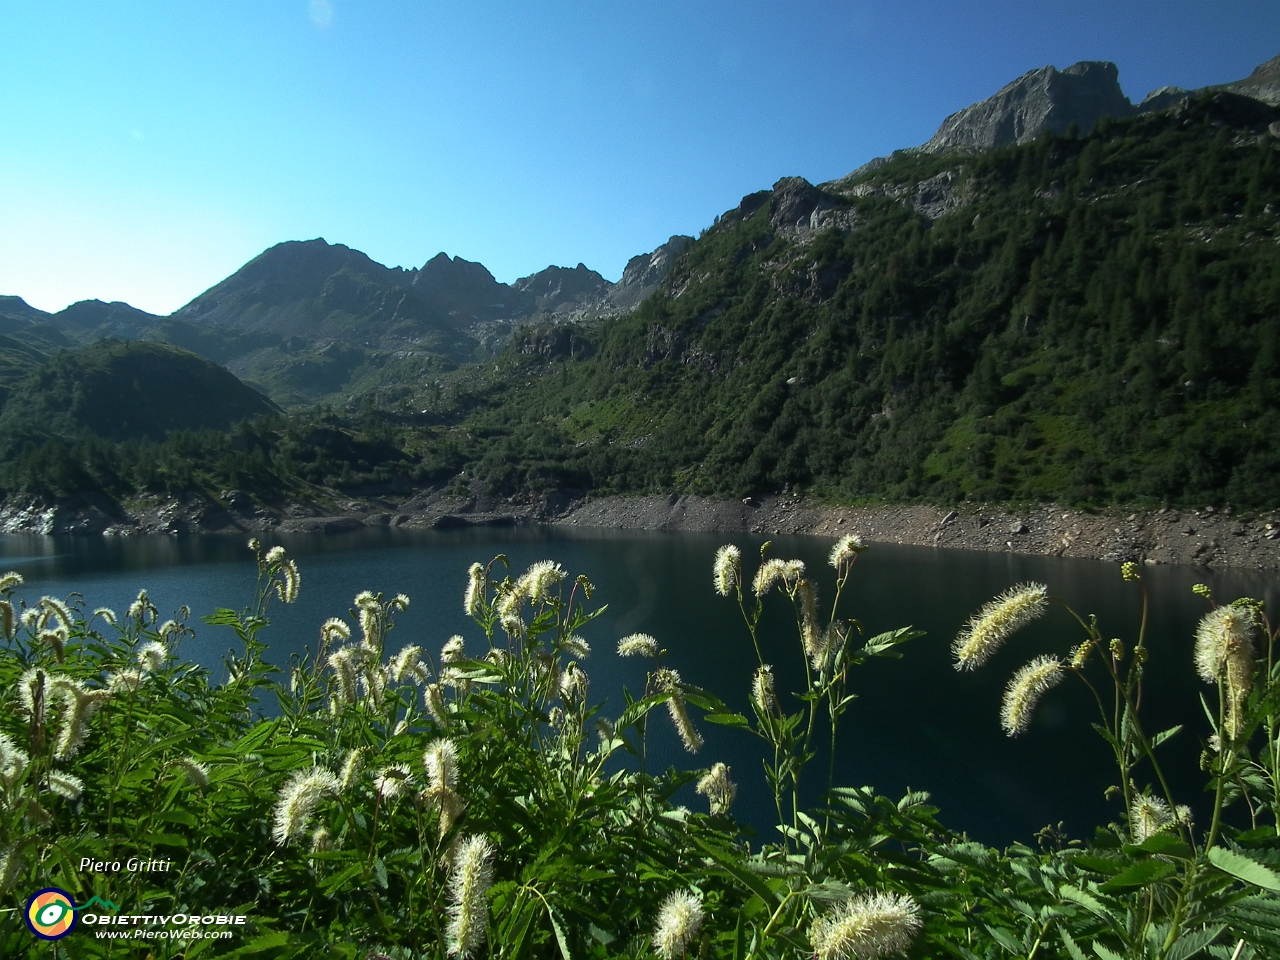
pixel 1044 99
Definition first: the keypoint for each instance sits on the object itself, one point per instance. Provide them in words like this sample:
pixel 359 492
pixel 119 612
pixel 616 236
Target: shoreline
pixel 1206 537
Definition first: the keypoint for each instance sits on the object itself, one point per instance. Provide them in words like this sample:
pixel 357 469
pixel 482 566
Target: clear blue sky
pixel 148 149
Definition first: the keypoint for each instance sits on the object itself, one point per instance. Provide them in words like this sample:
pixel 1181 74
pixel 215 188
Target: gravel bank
pixel 1206 537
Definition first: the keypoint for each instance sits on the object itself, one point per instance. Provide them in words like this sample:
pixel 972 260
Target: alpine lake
pixel 917 723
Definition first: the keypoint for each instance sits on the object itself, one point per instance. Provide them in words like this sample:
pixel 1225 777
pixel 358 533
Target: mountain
pixel 1055 100
pixel 1090 318
pixel 128 390
pixel 1044 99
pixel 1263 84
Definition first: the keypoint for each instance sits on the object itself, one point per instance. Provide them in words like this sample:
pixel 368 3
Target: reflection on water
pixel 917 722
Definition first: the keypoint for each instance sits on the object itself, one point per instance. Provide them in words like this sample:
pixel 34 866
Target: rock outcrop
pixel 1044 99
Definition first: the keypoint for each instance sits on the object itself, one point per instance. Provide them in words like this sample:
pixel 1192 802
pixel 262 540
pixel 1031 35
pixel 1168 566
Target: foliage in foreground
pixel 475 803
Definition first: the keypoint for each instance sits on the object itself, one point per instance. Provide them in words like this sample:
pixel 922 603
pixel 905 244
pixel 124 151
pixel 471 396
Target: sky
pixel 149 149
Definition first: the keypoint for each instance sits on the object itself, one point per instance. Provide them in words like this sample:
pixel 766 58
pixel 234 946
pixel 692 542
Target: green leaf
pixel 1105 952
pixel 878 646
pixel 1164 735
pixel 726 719
pixel 1085 899
pixel 1006 939
pixel 1244 868
pixel 1189 944
pixel 1139 875
pixel 560 937
pixel 731 863
pixel 1072 947
pixel 1165 844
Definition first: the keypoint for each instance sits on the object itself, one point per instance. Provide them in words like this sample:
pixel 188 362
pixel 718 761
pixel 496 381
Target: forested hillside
pixel 1082 318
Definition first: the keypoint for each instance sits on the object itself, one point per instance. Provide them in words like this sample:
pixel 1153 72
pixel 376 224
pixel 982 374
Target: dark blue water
pixel 917 724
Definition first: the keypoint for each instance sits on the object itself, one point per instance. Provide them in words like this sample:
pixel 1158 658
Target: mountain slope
pixel 128 390
pixel 1094 319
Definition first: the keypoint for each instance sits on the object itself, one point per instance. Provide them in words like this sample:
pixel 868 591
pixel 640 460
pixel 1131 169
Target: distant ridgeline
pixel 1032 305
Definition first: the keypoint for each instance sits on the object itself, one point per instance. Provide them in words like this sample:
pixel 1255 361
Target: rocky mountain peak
pixel 1263 84
pixel 554 286
pixel 1043 99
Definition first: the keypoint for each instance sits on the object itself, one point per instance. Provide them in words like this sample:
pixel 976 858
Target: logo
pixel 51 914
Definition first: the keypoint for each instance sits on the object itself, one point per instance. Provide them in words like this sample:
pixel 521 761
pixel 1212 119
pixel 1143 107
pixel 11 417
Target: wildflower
pixel 679 920
pixel 321 840
pixel 81 704
pixel 475 590
pixel 351 767
pixel 405 663
pixel 65 784
pixel 55 609
pixel 57 641
pixel 1129 571
pixel 334 629
pixel 290 581
pixel 151 656
pixel 1182 814
pixel 845 550
pixel 7 620
pixel 1117 648
pixel 441 762
pixel 1224 650
pixel 370 619
pixel 718 789
pixel 274 555
pixel 254 545
pixel 33 690
pixel 1148 816
pixel 433 696
pixel 573 684
pixel 1203 590
pixel 866 927
pixel 10 582
pixel 13 761
pixel 638 645
pixel 576 647
pixel 399 602
pixel 447 804
pixel 539 579
pixel 197 773
pixel 469 884
pixel 774 570
pixel 668 681
pixel 142 609
pixel 762 694
pixel 727 569
pixel 343 663
pixel 1024 691
pixel 298 801
pixel 996 622
pixel 512 625
pixel 453 650
pixel 810 632
pixel 1078 655
pixel 107 614
pixel 392 781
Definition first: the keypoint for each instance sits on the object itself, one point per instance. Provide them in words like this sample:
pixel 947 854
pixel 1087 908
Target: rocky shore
pixel 1207 537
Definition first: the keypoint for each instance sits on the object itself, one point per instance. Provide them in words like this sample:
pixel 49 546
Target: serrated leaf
pixel 1139 875
pixel 1244 868
pixel 726 719
pixel 1072 947
pixel 1164 735
pixel 1189 944
pixel 1005 939
pixel 1105 952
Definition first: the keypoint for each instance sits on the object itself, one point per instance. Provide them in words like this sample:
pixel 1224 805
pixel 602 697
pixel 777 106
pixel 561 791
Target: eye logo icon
pixel 51 914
